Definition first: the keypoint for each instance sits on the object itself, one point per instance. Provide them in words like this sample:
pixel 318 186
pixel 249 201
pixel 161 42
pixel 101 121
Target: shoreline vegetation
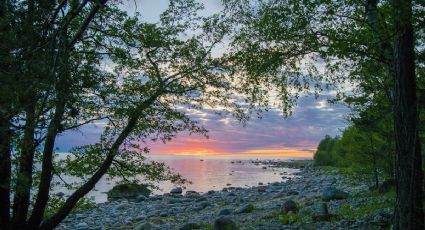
pixel 316 197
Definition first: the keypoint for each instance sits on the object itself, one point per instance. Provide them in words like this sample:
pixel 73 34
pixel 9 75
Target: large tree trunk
pixel 5 132
pixel 5 172
pixel 408 211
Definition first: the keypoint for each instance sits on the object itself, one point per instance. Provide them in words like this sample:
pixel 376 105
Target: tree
pixel 409 175
pixel 55 80
pixel 346 41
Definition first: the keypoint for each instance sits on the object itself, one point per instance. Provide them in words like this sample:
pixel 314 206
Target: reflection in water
pixel 207 174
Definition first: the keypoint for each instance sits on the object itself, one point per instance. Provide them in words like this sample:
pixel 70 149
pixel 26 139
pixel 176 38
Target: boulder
pixel 322 214
pixel 128 191
pixel 247 208
pixel 224 223
pixel 177 190
pixel 332 193
pixel 289 206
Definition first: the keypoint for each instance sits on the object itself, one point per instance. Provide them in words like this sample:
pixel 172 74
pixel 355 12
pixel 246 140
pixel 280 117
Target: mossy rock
pixel 128 191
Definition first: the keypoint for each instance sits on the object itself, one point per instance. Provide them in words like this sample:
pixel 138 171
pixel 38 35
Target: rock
pixel 322 214
pixel 225 212
pixel 128 191
pixel 141 198
pixel 192 193
pixel 122 206
pixel 190 226
pixel 289 206
pixel 260 183
pixel 292 192
pixel 210 192
pixel 224 223
pixel 140 217
pixel 200 199
pixel 245 209
pixel 82 226
pixel 204 204
pixel 332 193
pixel 144 226
pixel 177 190
pixel 60 194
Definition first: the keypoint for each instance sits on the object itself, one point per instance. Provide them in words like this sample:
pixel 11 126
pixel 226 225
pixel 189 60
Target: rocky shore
pixel 314 198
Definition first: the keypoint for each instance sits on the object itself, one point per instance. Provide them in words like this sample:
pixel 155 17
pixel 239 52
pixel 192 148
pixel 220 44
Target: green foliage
pixel 366 148
pixel 289 218
pixel 325 154
pixel 56 202
pixel 375 202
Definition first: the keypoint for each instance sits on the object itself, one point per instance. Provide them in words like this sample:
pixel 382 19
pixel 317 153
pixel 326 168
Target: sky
pixel 272 135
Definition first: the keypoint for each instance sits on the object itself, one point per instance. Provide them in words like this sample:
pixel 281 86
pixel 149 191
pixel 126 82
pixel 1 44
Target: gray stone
pixel 292 193
pixel 141 198
pixel 82 226
pixel 140 217
pixel 60 194
pixel 204 204
pixel 289 206
pixel 225 211
pixel 332 193
pixel 247 208
pixel 128 191
pixel 177 190
pixel 224 223
pixel 122 206
pixel 322 214
pixel 144 226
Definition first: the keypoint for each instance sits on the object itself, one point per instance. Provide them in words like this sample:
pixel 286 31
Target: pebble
pixel 243 207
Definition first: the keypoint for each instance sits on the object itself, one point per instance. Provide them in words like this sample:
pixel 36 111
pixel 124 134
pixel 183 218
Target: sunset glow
pixel 211 147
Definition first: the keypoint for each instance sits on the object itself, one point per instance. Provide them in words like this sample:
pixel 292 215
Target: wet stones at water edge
pixel 177 190
pixel 128 191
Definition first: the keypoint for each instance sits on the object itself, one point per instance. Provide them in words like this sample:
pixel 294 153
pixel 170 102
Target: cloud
pixel 272 134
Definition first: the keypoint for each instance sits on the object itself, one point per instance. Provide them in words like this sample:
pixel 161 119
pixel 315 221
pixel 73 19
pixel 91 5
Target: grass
pixel 375 201
pixel 290 218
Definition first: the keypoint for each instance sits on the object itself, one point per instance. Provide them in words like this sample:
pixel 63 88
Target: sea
pixel 206 173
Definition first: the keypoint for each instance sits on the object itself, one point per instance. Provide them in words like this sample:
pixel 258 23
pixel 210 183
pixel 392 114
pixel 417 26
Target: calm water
pixel 206 173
